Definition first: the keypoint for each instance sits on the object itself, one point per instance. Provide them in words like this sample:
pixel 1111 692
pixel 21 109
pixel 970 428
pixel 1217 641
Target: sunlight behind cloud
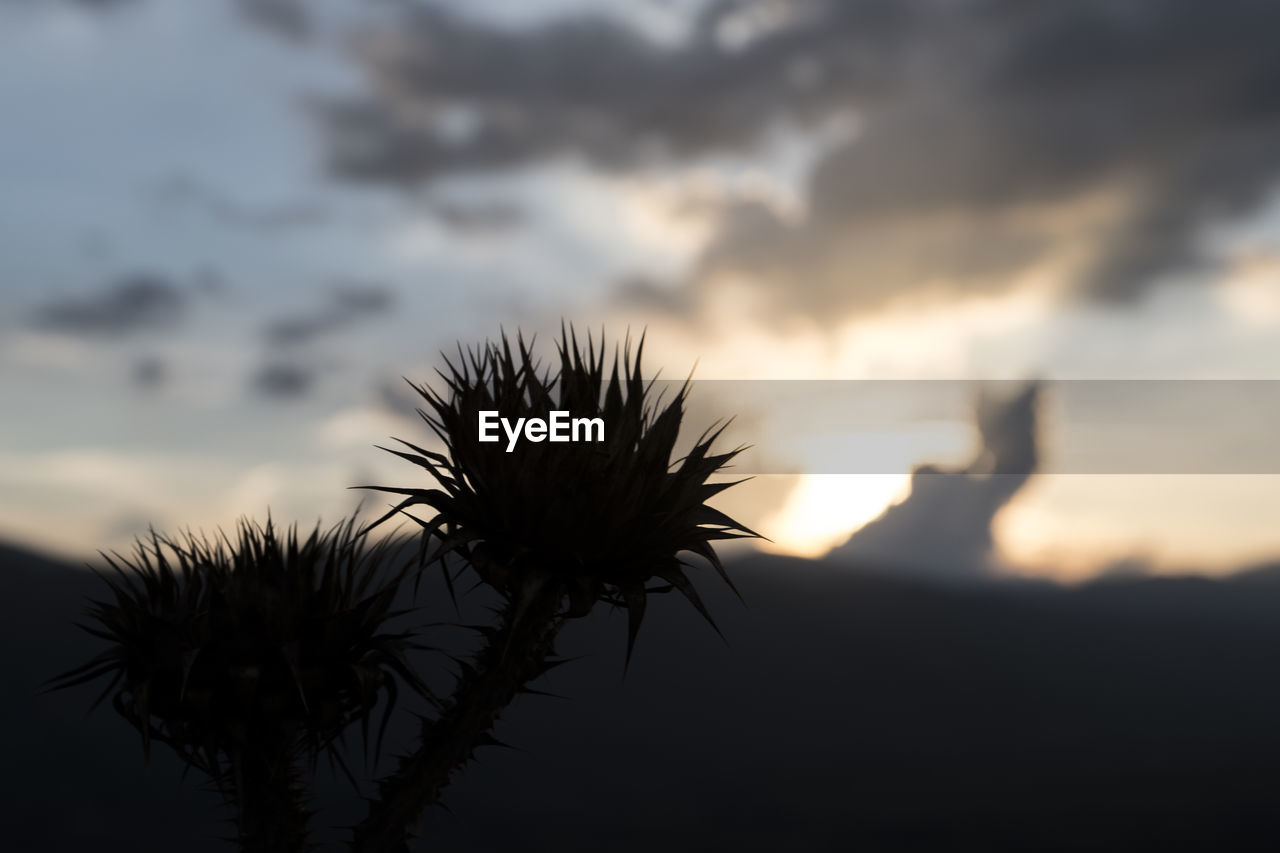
pixel 1073 526
pixel 824 509
pixel 1251 292
pixel 113 495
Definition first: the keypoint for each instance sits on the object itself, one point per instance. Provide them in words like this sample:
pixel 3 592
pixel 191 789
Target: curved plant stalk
pixel 553 529
pixel 518 651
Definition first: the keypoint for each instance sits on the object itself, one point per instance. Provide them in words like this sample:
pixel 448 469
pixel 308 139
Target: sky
pixel 228 229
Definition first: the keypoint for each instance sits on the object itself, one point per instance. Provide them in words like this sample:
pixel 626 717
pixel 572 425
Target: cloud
pixel 398 399
pixel 283 380
pixel 1097 138
pixel 130 304
pixel 150 373
pixel 451 94
pixel 943 528
pixel 92 6
pixel 643 292
pixel 284 376
pixel 967 182
pixel 286 19
pixel 357 426
pixel 101 4
pixel 185 192
pixel 347 305
pixel 478 219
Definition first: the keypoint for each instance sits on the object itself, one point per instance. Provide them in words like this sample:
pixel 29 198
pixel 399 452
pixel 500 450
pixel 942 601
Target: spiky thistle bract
pixel 249 654
pixel 554 528
pixel 610 521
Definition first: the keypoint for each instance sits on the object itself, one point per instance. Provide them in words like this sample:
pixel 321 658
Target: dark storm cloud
pixel 347 305
pixel 450 94
pixel 943 529
pixel 1175 104
pixel 130 304
pixel 985 126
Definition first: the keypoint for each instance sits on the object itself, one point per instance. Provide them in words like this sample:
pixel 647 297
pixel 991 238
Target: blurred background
pixel 229 229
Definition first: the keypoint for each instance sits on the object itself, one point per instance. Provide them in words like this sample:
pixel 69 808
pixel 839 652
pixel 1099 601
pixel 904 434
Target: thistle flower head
pixel 223 645
pixel 601 520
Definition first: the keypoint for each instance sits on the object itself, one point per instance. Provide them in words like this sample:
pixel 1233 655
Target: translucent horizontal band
pixel 995 427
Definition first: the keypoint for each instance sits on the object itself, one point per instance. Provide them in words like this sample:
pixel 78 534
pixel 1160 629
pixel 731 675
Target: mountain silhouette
pixel 848 710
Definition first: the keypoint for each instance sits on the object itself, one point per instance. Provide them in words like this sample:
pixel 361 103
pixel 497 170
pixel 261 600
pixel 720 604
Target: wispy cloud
pixel 184 192
pixel 347 305
pixel 286 19
pixel 129 304
pixel 284 380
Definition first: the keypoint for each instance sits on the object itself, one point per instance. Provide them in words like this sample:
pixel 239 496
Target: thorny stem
pixel 515 654
pixel 271 812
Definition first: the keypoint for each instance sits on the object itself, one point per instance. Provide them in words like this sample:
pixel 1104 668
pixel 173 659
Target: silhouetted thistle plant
pixel 555 529
pixel 249 656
